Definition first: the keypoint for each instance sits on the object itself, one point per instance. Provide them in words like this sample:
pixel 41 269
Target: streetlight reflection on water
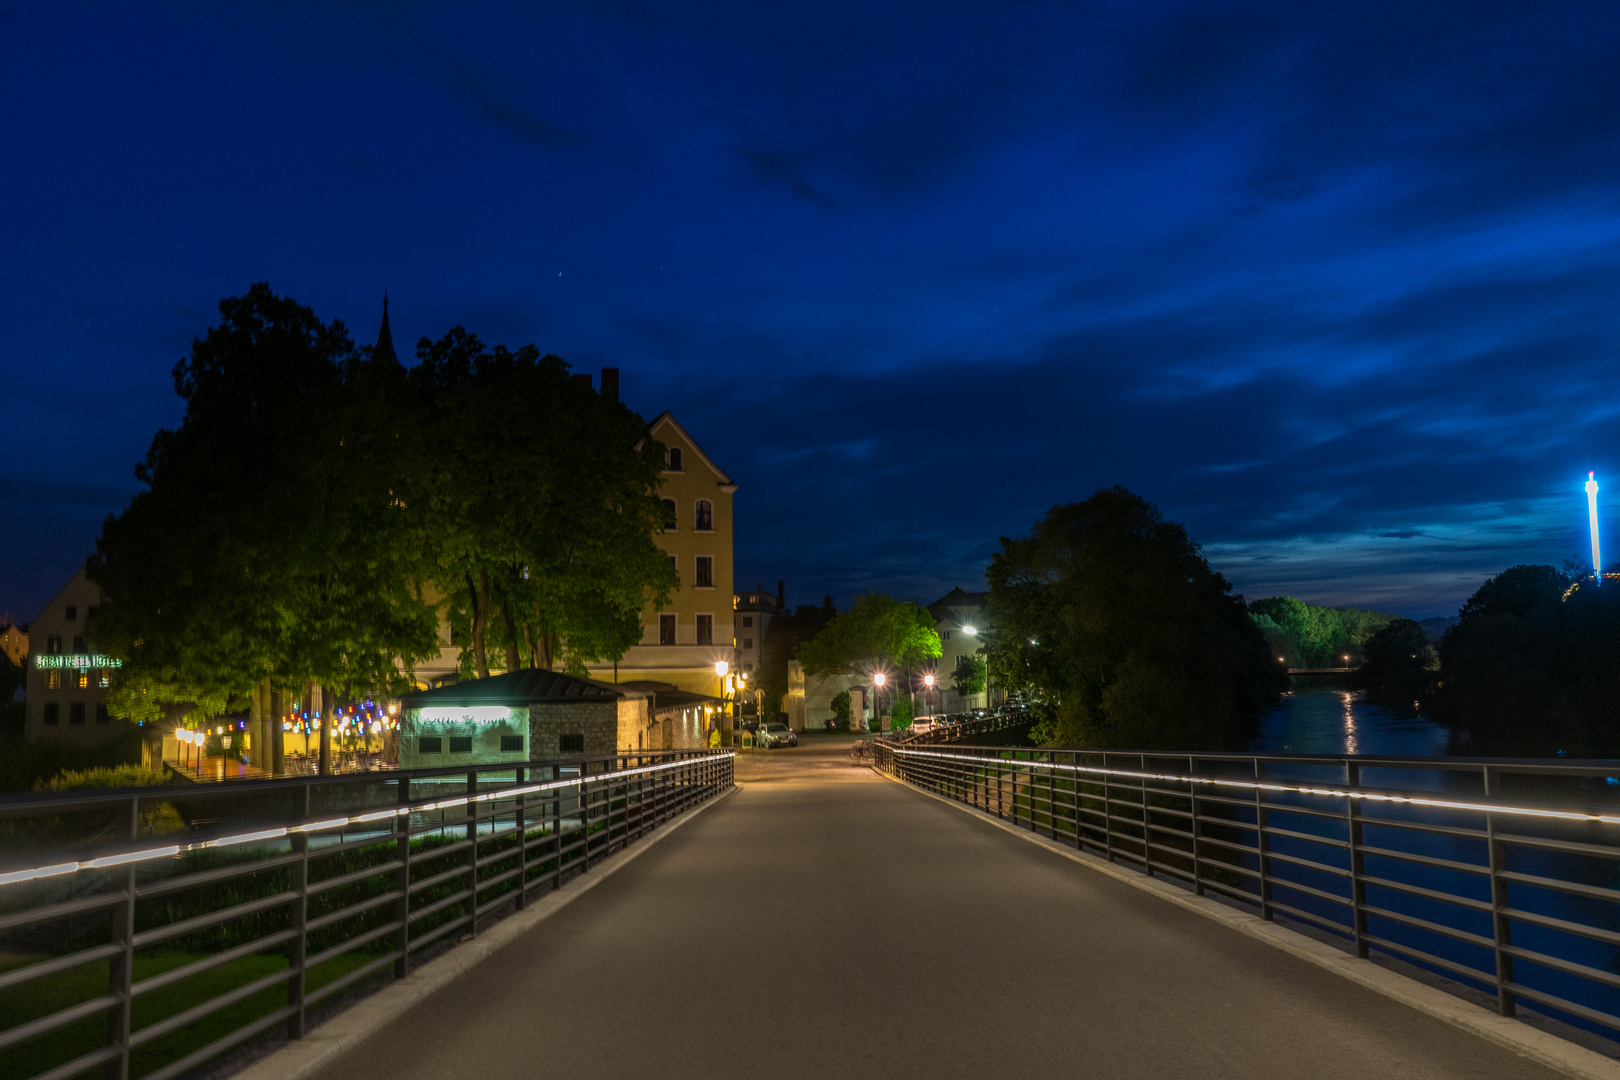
pixel 1347 701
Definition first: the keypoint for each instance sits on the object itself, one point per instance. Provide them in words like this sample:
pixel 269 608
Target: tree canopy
pixel 1315 637
pixel 787 633
pixel 1113 615
pixel 879 633
pixel 319 506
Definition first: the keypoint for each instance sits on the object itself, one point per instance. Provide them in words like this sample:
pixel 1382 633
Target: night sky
pixel 1338 286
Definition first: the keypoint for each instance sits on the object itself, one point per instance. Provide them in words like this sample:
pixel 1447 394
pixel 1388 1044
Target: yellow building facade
pixel 683 641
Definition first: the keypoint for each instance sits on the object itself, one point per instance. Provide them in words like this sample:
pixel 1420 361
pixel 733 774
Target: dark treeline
pixel 319 505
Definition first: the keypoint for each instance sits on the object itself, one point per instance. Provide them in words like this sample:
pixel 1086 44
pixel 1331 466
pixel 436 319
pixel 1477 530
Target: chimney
pixel 781 596
pixel 583 381
pixel 610 383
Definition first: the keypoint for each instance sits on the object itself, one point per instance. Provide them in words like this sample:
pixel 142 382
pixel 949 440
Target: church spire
pixel 385 340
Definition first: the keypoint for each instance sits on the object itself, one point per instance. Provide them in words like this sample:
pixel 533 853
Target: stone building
pixel 536 715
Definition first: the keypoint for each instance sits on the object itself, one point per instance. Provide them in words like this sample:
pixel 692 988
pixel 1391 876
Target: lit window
pixel 666 629
pixel 53 680
pixel 669 505
pixel 705 629
pixel 675 459
pixel 461 744
pixel 704 578
pixel 430 744
pixel 705 516
pixel 82 677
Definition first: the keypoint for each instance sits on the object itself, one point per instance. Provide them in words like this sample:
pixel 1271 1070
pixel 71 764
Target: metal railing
pixel 1501 875
pixel 954 727
pixel 164 950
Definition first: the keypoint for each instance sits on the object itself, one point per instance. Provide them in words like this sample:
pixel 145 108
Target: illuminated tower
pixel 1591 512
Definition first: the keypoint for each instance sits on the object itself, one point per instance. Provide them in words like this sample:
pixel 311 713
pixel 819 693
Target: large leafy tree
pixel 787 634
pixel 1114 614
pixel 880 633
pixel 269 548
pixel 538 505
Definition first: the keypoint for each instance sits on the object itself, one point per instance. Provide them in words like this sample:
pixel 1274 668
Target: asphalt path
pixel 825 922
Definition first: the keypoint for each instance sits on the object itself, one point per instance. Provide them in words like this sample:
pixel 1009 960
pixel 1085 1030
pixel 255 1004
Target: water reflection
pixel 1343 722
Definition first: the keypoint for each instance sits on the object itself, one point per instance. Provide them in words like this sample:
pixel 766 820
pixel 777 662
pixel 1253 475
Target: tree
pixel 900 714
pixel 1114 613
pixel 539 504
pixel 1397 671
pixel 841 706
pixel 879 633
pixel 968 675
pixel 268 548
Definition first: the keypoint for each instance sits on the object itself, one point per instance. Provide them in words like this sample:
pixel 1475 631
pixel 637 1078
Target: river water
pixel 1342 722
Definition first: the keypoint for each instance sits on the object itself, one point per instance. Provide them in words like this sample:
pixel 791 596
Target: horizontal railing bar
pixel 1608 937
pixel 202 878
pixel 61 1018
pixel 18 976
pixel 1556 1002
pixel 221 1044
pixel 348 979
pixel 1425 860
pixel 438 932
pixel 1596 892
pixel 1568 967
pixel 1432 894
pixel 63 910
pixel 197 967
pixel 80 1064
pixel 1459 969
pixel 391 867
pixel 1433 927
pixel 351 944
pixel 1568 847
pixel 210 919
pixel 359 907
pixel 179 1020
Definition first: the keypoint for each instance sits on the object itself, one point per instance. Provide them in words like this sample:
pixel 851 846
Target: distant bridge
pixel 1320 670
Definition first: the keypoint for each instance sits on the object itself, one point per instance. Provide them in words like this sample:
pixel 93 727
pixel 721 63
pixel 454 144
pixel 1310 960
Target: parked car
pixel 775 733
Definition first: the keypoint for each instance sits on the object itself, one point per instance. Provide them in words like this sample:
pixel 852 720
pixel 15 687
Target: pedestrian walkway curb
pixel 1537 1045
pixel 320 1047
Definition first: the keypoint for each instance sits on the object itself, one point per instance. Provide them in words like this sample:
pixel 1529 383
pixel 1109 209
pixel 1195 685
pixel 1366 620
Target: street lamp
pixel 721 667
pixel 878 679
pixel 928 681
pixel 971 632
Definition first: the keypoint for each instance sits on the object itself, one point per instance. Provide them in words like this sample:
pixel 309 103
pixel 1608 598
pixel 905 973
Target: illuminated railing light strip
pixel 133 856
pixel 38 872
pixel 1291 789
pixel 333 823
pixel 248 838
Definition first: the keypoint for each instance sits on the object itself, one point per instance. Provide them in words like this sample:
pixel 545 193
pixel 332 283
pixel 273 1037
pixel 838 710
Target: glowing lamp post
pixel 1591 513
pixel 971 632
pixel 928 681
pixel 721 667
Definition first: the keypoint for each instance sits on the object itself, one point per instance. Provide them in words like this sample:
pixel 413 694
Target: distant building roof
pixel 944 607
pixel 523 687
pixel 667 697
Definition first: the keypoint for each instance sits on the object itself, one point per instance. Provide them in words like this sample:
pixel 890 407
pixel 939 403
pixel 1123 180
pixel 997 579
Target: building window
pixel 53 713
pixel 105 680
pixel 102 716
pixel 53 680
pixel 78 644
pixel 944 635
pixel 675 460
pixel 666 629
pixel 76 713
pixel 82 678
pixel 511 744
pixel 748 622
pixel 572 743
pixel 53 645
pixel 704 578
pixel 430 744
pixel 72 613
pixel 674 520
pixel 748 643
pixel 704 516
pixel 675 565
pixel 461 744
pixel 705 627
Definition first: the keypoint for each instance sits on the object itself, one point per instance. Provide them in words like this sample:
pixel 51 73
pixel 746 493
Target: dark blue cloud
pixel 1333 284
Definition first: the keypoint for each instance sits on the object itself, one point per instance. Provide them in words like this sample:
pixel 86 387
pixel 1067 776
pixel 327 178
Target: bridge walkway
pixel 833 924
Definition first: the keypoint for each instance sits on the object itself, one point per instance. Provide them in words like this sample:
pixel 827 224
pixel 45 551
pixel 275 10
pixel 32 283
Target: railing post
pixel 121 973
pixel 298 950
pixel 472 852
pixel 402 909
pixel 1358 883
pixel 1262 839
pixel 1197 853
pixel 1501 924
pixel 1108 809
pixel 1147 828
pixel 522 841
pixel 556 830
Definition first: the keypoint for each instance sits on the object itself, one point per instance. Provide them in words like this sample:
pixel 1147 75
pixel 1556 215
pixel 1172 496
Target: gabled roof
pixel 667 697
pixel 942 608
pixel 522 688
pixel 669 418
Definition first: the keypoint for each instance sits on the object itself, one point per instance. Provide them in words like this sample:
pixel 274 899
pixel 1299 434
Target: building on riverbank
pixel 68 680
